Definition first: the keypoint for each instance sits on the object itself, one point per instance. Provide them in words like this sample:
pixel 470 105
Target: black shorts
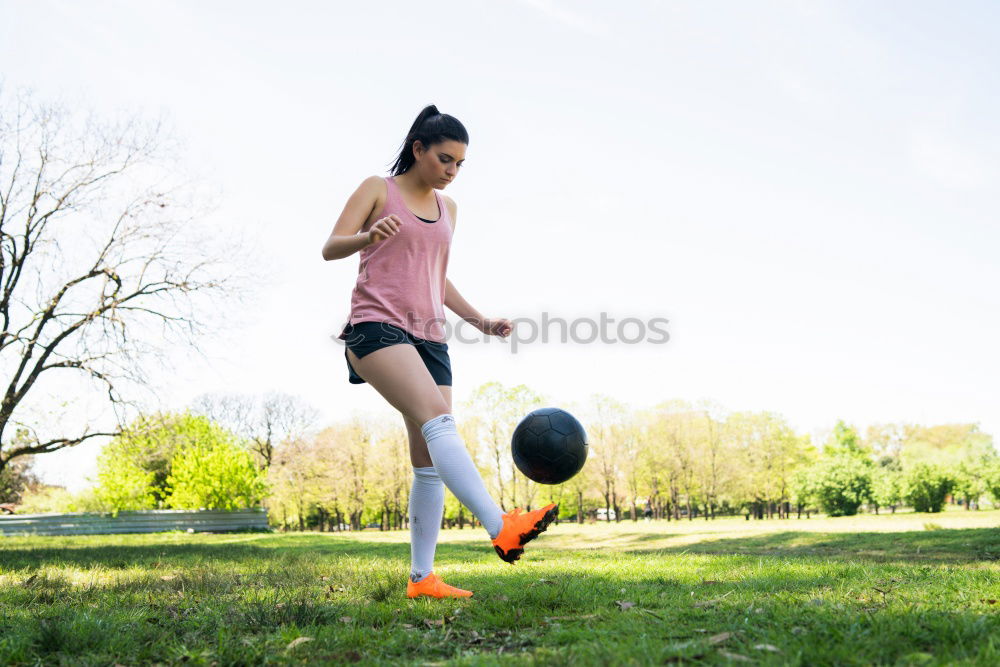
pixel 366 337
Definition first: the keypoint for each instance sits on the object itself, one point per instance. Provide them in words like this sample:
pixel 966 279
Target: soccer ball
pixel 549 446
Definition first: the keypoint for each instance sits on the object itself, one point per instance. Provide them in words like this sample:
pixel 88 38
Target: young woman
pixel 395 339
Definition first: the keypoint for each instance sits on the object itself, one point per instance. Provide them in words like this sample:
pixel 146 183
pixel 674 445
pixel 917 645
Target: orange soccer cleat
pixel 519 529
pixel 432 586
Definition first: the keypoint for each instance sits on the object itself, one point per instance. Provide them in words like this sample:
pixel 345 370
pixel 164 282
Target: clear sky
pixel 807 191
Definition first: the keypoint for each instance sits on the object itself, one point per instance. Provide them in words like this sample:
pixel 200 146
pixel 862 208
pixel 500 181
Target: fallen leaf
pixel 408 626
pixel 736 657
pixel 706 603
pixel 503 598
pixel 27 582
pixel 298 640
pixel 346 619
pixel 719 638
pixel 324 578
pixel 623 604
pixel 987 601
pixel 168 577
pixel 433 622
pixel 767 647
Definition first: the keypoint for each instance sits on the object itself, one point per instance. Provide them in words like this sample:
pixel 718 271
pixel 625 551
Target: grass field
pixel 909 589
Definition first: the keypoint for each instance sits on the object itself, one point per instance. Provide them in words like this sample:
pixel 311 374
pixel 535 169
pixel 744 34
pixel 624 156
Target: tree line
pixel 675 460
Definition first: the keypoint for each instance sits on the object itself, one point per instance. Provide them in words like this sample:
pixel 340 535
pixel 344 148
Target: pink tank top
pixel 401 279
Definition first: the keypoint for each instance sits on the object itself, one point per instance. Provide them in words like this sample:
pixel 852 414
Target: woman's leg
pixel 426 500
pixel 398 373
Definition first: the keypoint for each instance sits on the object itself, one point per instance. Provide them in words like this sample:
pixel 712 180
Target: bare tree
pixel 606 416
pixel 493 412
pixel 102 267
pixel 264 420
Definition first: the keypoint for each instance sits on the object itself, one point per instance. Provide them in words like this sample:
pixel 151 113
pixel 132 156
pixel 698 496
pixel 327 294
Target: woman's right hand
pixel 383 228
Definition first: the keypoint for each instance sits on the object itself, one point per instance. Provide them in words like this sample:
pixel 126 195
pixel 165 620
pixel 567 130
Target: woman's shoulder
pixel 375 190
pixel 375 184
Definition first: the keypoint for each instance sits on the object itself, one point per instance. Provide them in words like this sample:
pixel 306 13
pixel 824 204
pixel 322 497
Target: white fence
pixel 147 521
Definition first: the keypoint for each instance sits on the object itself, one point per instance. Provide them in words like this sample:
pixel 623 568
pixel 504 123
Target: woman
pixel 396 341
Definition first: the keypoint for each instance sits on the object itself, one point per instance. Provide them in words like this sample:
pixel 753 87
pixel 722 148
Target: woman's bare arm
pixel 346 237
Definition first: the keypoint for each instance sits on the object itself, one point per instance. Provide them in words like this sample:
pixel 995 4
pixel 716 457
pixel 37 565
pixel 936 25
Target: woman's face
pixel 439 164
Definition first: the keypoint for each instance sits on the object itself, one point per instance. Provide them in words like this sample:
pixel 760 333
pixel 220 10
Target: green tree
pixel 841 484
pixel 802 487
pixel 122 483
pixel 845 441
pixel 927 486
pixel 215 474
pixel 134 469
pixel 970 480
pixel 887 487
pixel 991 480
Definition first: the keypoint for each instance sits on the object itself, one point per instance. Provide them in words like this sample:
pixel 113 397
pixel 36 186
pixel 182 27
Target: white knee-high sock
pixel 426 509
pixel 458 472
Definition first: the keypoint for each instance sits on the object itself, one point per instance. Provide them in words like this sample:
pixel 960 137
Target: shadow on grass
pixel 267 550
pixel 946 545
pixel 810 613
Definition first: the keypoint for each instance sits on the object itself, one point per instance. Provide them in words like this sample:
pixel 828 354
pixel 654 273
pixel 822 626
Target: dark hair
pixel 430 127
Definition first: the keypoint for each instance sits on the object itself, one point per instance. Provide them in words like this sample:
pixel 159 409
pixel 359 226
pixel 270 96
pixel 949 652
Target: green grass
pixel 907 589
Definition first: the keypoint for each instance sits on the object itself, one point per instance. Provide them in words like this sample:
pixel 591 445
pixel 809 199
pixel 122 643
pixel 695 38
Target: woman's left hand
pixel 497 327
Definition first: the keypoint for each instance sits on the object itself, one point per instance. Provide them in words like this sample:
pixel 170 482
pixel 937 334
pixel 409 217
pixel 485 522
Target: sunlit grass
pixel 902 589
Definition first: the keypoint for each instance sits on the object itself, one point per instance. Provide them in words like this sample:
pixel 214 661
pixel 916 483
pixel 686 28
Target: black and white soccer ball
pixel 549 446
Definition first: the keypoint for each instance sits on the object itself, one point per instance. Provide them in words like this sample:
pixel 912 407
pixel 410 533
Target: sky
pixel 805 191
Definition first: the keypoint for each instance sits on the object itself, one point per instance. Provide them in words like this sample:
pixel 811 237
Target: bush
pixel 215 475
pixel 136 470
pixel 841 484
pixel 887 487
pixel 991 481
pixel 926 487
pixel 57 500
pixel 122 484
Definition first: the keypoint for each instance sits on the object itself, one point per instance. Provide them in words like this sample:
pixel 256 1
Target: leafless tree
pixel 263 420
pixel 105 266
